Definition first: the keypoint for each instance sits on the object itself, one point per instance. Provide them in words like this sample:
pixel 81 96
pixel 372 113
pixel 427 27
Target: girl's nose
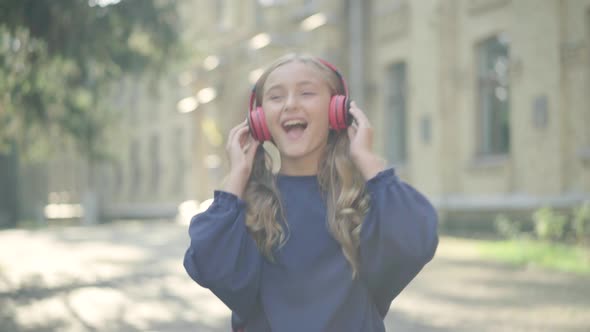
pixel 290 102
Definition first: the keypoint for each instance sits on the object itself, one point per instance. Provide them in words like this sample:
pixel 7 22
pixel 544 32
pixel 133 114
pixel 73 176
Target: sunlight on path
pixel 129 277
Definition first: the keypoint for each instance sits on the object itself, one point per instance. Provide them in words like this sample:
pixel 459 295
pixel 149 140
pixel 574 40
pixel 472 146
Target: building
pixel 481 104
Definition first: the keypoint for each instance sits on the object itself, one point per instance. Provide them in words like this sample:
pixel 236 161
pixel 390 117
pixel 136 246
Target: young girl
pixel 328 242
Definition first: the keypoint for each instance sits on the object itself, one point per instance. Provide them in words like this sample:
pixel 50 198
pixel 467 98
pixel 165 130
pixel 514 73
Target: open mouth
pixel 294 128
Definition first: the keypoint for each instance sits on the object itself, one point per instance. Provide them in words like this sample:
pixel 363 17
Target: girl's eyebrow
pixel 306 82
pixel 274 87
pixel 281 86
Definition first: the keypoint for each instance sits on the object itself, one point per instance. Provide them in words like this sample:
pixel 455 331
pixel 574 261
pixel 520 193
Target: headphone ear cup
pixel 339 116
pixel 251 126
pixel 265 132
pixel 258 127
pixel 347 116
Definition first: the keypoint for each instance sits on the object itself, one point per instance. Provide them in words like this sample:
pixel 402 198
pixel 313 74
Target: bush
pixel 505 227
pixel 549 225
pixel 581 223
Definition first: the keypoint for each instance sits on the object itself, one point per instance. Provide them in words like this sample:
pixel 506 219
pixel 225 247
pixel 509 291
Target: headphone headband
pixel 325 63
pixel 335 70
pixel 337 111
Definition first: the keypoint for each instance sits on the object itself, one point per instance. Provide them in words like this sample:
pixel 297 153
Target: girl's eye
pixel 275 97
pixel 308 93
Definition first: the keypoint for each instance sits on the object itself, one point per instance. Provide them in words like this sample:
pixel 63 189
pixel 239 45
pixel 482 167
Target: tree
pixel 59 58
pixel 58 63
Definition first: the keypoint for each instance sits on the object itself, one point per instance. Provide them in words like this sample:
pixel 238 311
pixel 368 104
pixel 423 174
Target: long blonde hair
pixel 341 183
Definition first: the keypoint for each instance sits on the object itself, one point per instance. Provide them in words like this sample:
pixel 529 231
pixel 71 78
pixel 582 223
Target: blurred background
pixel 114 116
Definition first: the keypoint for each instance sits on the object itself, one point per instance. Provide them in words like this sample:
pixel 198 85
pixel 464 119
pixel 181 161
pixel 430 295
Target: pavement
pixel 128 276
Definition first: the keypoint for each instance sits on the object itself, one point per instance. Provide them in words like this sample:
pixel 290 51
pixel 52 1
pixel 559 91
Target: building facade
pixel 493 97
pixel 484 105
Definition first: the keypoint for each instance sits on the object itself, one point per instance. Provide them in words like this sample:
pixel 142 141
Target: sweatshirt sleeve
pixel 222 255
pixel 398 237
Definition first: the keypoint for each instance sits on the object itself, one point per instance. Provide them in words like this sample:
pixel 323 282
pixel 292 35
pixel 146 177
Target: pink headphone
pixel 338 112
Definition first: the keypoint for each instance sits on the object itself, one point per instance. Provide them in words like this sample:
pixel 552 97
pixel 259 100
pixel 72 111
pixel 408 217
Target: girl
pixel 329 241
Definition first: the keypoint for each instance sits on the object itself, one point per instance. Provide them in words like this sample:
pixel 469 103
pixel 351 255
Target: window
pixel 134 103
pixel 396 117
pixel 588 32
pixel 267 3
pixel 222 10
pixel 493 96
pixel 588 48
pixel 8 188
pixel 259 14
pixel 179 148
pixel 309 3
pixel 155 169
pixel 117 177
pixel 134 168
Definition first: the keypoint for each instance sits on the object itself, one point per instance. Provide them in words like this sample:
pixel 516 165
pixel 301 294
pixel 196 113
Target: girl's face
pixel 295 100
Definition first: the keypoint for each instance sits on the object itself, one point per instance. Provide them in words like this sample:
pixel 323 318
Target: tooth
pixel 294 122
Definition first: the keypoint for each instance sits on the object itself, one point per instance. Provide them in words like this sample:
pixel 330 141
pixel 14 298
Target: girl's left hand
pixel 360 134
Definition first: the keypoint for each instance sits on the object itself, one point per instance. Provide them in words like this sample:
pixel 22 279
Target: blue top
pixel 310 287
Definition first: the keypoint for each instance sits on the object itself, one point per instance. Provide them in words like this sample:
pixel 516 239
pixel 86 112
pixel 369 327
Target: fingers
pixel 360 132
pixel 251 148
pixel 235 130
pixel 359 116
pixel 241 137
pixel 351 131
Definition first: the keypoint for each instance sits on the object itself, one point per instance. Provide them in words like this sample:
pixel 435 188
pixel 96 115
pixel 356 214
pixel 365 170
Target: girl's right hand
pixel 241 148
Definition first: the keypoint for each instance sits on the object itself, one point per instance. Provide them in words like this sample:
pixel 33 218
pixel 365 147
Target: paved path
pixel 129 277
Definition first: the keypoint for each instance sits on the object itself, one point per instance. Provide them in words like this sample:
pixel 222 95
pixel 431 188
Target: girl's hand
pixel 241 148
pixel 360 134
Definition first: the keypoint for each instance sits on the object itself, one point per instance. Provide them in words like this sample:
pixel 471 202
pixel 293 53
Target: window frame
pixel 488 85
pixel 397 136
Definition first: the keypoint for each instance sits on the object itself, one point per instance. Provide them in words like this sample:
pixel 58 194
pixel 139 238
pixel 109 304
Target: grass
pixel 525 252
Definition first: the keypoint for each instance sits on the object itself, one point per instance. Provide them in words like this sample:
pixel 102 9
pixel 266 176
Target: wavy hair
pixel 342 185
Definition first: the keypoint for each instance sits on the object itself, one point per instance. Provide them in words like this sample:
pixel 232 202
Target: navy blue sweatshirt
pixel 310 287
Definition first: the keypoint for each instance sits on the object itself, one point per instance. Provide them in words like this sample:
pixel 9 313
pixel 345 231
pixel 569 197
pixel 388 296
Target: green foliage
pixel 59 58
pixel 581 223
pixel 506 227
pixel 555 256
pixel 522 248
pixel 549 225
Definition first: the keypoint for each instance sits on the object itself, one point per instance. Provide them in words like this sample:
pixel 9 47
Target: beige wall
pixel 439 45
pixel 549 58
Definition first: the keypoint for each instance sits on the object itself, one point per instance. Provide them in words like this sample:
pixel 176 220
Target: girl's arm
pixel 222 255
pixel 398 237
pixel 399 234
